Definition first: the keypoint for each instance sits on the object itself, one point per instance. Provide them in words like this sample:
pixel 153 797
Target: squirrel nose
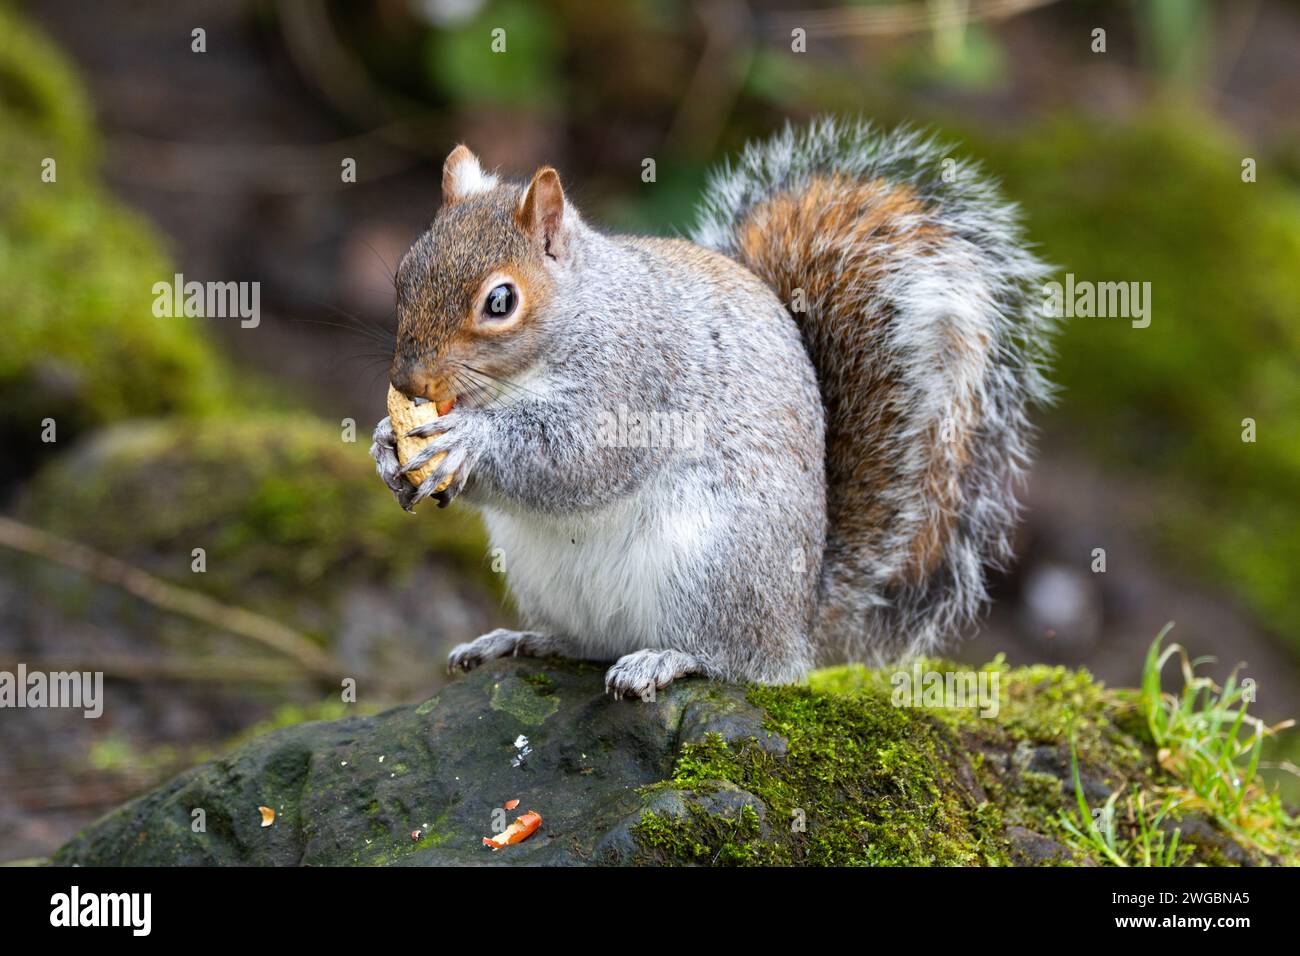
pixel 413 382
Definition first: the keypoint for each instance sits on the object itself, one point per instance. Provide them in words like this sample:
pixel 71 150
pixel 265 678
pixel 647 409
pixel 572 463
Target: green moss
pixel 861 783
pixel 1038 708
pixel 1040 703
pixel 527 701
pixel 540 682
pixel 706 838
pixel 39 89
pixel 873 783
pixel 433 835
pixel 82 345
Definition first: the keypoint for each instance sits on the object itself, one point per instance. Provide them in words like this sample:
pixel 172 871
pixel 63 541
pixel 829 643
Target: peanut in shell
pixel 406 415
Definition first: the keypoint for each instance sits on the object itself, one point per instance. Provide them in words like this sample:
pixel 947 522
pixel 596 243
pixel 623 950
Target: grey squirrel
pixel 851 326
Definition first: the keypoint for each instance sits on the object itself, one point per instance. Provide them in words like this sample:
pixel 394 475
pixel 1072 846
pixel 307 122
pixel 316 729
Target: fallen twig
pixel 170 597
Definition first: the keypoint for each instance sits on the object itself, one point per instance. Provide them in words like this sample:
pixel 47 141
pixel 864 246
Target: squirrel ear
pixel 462 176
pixel 541 214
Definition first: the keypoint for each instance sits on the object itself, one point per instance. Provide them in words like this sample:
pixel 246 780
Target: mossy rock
pixel 292 521
pixel 832 773
pixel 77 269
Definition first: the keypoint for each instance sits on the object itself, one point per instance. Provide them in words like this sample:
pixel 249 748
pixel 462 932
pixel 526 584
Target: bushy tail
pixel 909 278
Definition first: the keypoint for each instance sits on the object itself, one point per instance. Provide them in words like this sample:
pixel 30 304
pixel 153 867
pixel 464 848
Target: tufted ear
pixel 541 214
pixel 462 176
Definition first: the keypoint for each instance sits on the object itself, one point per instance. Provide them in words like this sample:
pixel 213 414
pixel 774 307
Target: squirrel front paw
pixel 458 437
pixel 384 451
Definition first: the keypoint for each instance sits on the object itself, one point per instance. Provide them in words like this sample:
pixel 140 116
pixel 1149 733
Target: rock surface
pixel 831 773
pixel 420 784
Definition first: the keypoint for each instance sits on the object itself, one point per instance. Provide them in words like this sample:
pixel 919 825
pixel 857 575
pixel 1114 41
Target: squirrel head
pixel 472 292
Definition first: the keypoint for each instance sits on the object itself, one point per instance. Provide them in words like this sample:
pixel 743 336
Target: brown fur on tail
pixel 911 293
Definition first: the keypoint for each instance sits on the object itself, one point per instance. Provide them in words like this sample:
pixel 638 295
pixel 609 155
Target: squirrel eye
pixel 501 301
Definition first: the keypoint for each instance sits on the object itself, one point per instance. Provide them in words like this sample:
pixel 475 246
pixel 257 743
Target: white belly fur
pixel 604 579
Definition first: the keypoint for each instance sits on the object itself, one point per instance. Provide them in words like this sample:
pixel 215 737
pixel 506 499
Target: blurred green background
pixel 224 164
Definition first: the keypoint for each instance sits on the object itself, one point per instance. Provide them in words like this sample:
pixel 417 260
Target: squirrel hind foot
pixel 642 673
pixel 502 642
